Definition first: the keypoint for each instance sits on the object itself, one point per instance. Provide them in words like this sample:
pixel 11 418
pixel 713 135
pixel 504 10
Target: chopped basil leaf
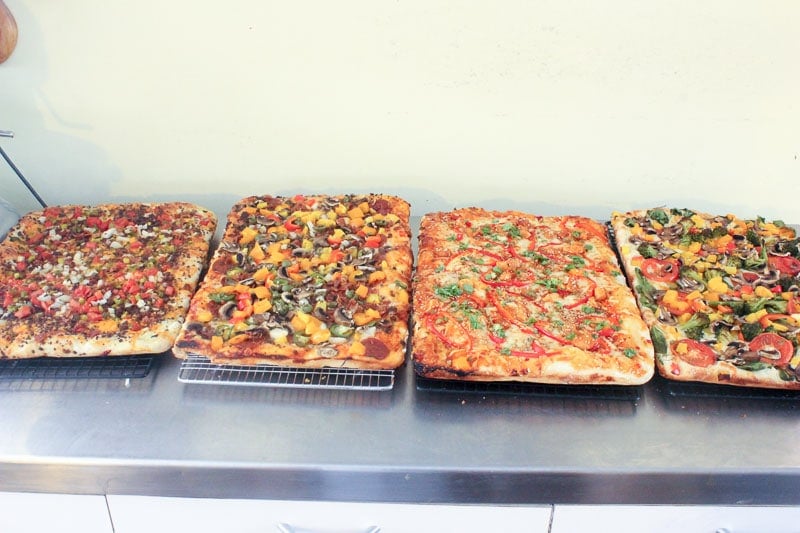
pixel 498 331
pixel 448 291
pixel 512 230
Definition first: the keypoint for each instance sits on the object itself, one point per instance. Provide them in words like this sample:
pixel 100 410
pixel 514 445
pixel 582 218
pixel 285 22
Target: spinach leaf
pixel 659 216
pixel 755 366
pixel 659 341
pixel 645 290
pixel 682 212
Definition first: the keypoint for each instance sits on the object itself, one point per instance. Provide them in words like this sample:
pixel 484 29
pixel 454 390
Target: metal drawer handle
pixel 288 528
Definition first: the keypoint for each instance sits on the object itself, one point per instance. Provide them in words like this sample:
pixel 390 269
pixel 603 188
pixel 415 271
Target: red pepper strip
pixel 495 339
pixel 24 311
pixel 512 250
pixel 528 297
pixel 535 351
pixel 585 298
pixel 509 283
pixel 541 329
pixel 291 226
pixel 430 324
pixel 501 309
pixel 606 332
pixel 373 241
pixel 588 226
pixel 766 319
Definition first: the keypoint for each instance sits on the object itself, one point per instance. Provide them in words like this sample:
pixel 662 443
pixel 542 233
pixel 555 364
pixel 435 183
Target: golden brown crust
pixel 308 281
pixel 112 279
pixel 718 300
pixel 511 296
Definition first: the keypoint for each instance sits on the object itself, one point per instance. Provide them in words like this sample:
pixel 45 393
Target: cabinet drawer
pixel 62 513
pixel 668 518
pixel 133 514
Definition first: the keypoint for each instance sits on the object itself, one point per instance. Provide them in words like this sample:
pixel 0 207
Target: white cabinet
pixel 53 513
pixel 683 519
pixel 136 514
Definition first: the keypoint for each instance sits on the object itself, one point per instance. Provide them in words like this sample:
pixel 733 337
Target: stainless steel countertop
pixel 163 438
pixel 160 437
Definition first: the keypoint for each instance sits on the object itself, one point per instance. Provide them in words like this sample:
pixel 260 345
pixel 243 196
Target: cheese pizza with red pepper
pixel 306 281
pixel 100 280
pixel 719 293
pixel 509 296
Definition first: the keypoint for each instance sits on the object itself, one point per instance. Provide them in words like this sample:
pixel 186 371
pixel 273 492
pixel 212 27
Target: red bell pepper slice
pixel 544 331
pixel 450 340
pixel 535 351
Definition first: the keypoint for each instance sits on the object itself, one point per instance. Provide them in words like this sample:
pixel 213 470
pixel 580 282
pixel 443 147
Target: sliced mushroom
pixel 327 352
pixel 288 298
pixel 364 258
pixel 734 349
pixel 228 246
pixel 749 356
pixel 300 293
pixel 675 230
pixel 767 278
pixel 320 313
pixel 302 252
pixel 769 353
pixel 226 310
pixel 689 284
pixel 665 317
pixel 343 317
pixel 266 222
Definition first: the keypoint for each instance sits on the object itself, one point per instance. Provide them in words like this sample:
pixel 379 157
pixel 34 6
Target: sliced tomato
pixel 665 270
pixel 694 352
pixel 773 342
pixel 785 264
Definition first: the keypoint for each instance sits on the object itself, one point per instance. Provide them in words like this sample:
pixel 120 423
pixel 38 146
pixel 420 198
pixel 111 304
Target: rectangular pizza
pixel 306 281
pixel 111 279
pixel 509 296
pixel 719 293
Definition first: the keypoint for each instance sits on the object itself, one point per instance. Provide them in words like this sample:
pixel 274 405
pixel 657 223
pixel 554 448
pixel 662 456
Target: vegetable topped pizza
pixel 111 279
pixel 510 296
pixel 306 281
pixel 720 294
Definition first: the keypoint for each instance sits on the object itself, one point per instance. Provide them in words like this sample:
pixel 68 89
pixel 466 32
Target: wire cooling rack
pixel 583 392
pixel 200 370
pixel 48 368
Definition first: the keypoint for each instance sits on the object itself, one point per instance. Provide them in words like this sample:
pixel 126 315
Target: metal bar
pixel 10 134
